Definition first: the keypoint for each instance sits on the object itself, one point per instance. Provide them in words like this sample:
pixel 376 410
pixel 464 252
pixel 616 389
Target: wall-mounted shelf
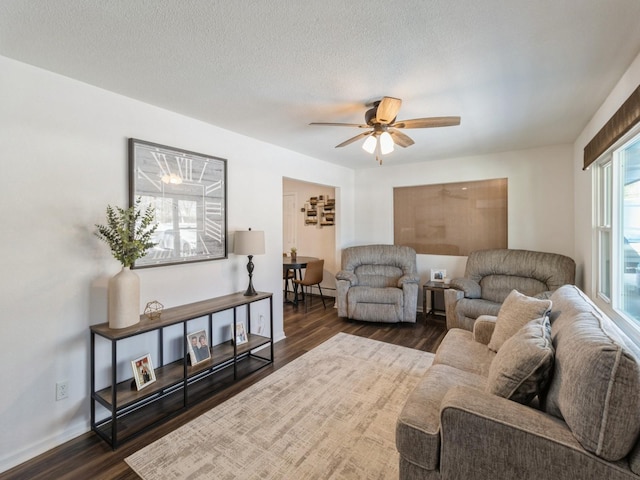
pixel 320 211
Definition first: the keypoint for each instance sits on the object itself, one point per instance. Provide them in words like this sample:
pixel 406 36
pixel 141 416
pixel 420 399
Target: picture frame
pixel 143 372
pixel 438 275
pixel 198 347
pixel 241 334
pixel 188 192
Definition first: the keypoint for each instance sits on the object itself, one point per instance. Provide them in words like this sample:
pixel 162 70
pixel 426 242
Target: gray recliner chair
pixel 378 283
pixel 490 276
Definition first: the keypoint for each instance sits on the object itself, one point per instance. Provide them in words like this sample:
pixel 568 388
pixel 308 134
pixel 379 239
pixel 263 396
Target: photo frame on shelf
pixel 438 275
pixel 198 347
pixel 143 372
pixel 241 334
pixel 188 192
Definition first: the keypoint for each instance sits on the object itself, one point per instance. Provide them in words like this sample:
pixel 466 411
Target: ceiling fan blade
pixel 400 138
pixel 354 139
pixel 387 110
pixel 329 124
pixel 428 122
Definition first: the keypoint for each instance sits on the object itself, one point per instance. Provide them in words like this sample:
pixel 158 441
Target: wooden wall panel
pixel 451 218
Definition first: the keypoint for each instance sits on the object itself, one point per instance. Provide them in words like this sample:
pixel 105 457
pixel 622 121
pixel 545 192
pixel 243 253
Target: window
pixel 617 223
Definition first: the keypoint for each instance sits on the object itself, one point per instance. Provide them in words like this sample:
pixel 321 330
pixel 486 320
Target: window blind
pixel 620 123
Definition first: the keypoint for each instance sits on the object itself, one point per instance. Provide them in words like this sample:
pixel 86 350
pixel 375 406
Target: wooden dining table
pixel 297 265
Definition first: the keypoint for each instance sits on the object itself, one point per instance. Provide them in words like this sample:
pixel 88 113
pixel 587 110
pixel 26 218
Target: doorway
pixel 311 239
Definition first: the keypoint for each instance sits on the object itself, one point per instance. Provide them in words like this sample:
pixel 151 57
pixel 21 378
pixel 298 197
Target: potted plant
pixel 294 253
pixel 128 233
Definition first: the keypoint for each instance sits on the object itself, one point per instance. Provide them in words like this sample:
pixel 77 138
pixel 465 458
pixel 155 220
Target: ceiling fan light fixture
pixel 369 144
pixel 386 143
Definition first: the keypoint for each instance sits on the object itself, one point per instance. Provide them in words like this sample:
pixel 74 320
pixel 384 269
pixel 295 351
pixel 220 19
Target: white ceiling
pixel 520 73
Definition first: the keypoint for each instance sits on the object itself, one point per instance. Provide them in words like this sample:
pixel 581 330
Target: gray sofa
pixel 491 274
pixel 585 424
pixel 378 283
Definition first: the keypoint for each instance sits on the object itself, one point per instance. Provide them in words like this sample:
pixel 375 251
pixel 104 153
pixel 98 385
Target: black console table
pixel 178 385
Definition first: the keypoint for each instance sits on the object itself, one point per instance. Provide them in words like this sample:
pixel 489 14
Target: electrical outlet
pixel 62 390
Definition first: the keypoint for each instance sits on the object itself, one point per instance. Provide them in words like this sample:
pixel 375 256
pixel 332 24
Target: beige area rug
pixel 329 414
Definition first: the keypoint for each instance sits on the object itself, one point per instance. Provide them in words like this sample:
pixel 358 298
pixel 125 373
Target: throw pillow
pixel 522 367
pixel 515 312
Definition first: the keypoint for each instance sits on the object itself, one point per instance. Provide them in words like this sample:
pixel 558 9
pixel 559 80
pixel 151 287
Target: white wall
pixel 540 196
pixel 585 241
pixel 64 158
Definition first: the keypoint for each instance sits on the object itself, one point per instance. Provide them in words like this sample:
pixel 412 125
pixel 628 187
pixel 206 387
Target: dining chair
pixel 313 275
pixel 288 275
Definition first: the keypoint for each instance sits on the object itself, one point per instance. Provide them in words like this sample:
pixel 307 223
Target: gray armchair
pixel 378 283
pixel 490 276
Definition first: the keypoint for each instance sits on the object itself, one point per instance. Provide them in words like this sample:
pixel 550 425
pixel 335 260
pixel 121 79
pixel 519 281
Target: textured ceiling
pixel 520 73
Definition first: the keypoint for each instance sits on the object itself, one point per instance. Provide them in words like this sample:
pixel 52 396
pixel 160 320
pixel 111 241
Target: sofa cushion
pixel 378 276
pixel 375 304
pixel 522 366
pixel 418 426
pixel 515 312
pixel 596 380
pixel 458 349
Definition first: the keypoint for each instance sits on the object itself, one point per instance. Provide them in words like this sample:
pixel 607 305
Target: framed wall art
pixel 188 191
pixel 143 372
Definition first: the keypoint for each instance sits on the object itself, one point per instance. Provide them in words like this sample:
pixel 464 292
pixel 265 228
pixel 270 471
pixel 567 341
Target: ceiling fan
pixel 384 130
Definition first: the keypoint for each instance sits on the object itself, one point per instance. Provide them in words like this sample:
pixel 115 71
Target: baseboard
pixel 32 451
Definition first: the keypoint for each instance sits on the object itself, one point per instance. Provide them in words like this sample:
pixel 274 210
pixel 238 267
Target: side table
pixel 433 287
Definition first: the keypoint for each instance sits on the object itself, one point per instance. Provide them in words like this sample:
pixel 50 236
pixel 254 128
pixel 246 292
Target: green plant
pixel 293 250
pixel 128 232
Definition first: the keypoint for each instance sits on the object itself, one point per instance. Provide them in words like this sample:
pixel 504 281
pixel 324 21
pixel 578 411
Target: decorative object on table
pixel 129 235
pixel 143 372
pixel 189 192
pixel 198 347
pixel 153 310
pixel 294 253
pixel 438 275
pixel 250 243
pixel 241 334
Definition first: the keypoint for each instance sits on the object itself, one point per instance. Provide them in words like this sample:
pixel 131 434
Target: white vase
pixel 123 309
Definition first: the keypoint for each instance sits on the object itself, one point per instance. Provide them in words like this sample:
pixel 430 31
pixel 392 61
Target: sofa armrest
pixel 471 288
pixel 483 328
pixel 546 295
pixel 408 279
pixel 348 276
pixel 451 297
pixel 485 436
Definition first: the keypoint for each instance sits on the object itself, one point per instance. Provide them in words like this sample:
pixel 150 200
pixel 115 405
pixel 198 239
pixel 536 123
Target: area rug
pixel 329 414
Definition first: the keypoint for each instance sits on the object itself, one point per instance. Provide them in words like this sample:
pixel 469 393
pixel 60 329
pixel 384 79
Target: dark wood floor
pixel 89 457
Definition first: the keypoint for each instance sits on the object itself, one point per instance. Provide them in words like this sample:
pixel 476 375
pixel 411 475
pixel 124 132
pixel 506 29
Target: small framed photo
pixel 198 345
pixel 438 275
pixel 143 371
pixel 241 334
